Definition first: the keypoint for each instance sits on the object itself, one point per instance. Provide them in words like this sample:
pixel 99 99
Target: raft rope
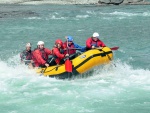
pixel 99 54
pixel 95 55
pixel 51 69
pixel 106 54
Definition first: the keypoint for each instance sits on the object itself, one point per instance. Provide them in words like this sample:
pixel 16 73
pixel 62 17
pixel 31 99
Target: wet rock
pixel 132 1
pixel 104 1
pixel 14 14
pixel 117 1
pixel 100 2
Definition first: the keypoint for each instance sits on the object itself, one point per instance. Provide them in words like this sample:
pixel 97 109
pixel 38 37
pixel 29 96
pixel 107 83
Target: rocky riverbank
pixel 97 2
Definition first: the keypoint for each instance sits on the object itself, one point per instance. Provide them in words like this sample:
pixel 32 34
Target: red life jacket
pixel 70 51
pixel 94 43
pixel 57 55
pixel 40 56
pixel 44 55
pixel 90 42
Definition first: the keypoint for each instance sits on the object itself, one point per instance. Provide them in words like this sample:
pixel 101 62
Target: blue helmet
pixel 70 38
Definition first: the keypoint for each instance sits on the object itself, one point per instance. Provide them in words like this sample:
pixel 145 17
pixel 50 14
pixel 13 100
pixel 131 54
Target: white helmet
pixel 40 43
pixel 96 35
pixel 28 44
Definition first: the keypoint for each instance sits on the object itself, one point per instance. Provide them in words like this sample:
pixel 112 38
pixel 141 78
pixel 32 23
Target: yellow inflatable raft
pixel 81 63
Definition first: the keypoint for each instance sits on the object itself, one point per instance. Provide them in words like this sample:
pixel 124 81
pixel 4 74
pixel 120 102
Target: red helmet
pixel 58 41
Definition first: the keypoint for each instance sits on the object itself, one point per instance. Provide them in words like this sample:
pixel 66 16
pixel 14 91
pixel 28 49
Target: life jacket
pixel 61 51
pixel 57 59
pixel 26 55
pixel 54 56
pixel 70 51
pixel 44 55
pixel 94 43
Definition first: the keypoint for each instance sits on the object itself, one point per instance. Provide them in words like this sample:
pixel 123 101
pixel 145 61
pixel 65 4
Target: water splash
pixel 107 84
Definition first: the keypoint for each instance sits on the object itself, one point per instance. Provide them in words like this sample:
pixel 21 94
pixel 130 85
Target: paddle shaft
pixel 113 48
pixel 68 63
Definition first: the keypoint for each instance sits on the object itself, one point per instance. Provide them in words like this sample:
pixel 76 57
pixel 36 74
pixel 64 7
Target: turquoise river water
pixel 124 88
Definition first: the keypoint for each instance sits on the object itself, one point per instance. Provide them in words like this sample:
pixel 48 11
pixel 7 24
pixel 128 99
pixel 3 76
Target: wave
pixel 130 14
pixel 103 82
pixel 118 72
pixel 106 16
pixel 33 18
pixel 13 67
pixel 118 13
pixel 122 70
pixel 82 16
pixel 57 17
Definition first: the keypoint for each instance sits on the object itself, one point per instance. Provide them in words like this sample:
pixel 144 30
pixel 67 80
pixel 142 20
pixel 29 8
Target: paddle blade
pixel 68 65
pixel 114 48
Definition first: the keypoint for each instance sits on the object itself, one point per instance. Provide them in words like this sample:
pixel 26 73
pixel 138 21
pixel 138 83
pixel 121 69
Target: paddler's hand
pixel 32 61
pixel 46 64
pixel 66 55
pixel 99 47
pixel 93 47
pixel 66 37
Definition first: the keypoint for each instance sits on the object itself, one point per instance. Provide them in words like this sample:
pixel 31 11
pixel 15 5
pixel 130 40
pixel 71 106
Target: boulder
pixel 117 1
pixel 132 1
pixel 111 1
pixel 104 1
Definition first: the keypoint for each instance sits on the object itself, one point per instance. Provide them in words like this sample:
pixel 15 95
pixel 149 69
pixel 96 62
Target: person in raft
pixel 40 55
pixel 94 42
pixel 57 52
pixel 26 55
pixel 70 47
